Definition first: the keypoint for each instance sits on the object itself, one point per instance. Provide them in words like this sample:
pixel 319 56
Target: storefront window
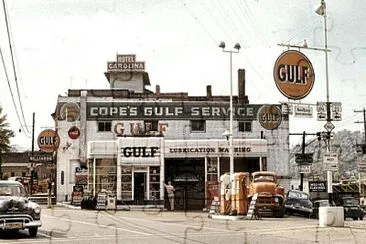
pixel 212 169
pixel 154 183
pixel 126 182
pixel 106 175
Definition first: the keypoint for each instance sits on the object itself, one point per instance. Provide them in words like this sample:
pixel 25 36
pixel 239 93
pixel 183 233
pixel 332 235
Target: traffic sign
pixel 336 116
pixel 330 166
pixel 330 158
pixel 330 161
pixel 329 126
pixel 304 158
pixel 304 168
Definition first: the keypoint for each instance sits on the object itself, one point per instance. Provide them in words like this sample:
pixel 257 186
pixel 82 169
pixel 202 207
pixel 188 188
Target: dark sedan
pixel 298 202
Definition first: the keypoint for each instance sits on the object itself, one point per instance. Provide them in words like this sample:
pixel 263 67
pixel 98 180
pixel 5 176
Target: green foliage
pixel 5 133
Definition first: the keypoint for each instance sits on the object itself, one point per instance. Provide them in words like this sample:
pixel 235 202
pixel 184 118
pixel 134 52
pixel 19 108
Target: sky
pixel 65 44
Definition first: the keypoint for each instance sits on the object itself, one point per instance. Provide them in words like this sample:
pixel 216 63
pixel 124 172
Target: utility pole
pixel 303 158
pixel 364 122
pixel 303 152
pixel 32 153
pixel 363 147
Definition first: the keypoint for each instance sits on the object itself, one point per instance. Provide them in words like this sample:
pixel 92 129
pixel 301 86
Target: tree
pixel 5 135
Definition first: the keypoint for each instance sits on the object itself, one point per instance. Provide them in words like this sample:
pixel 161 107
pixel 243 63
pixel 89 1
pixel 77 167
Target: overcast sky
pixel 65 44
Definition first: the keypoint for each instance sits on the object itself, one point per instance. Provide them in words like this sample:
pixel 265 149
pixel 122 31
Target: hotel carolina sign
pixel 168 111
pixel 126 63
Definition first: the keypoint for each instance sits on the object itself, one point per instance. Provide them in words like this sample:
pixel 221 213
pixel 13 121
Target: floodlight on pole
pixel 229 134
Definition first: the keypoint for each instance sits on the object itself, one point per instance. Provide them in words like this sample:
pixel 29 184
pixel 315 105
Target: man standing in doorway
pixel 170 189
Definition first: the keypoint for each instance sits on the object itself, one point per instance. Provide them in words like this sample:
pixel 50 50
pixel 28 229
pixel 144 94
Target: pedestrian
pixel 49 193
pixel 170 189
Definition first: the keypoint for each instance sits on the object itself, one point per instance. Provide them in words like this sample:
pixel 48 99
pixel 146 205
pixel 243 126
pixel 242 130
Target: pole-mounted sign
pixel 294 74
pixel 48 141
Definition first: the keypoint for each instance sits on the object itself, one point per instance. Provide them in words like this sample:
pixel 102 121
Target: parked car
pixel 16 211
pixel 317 204
pixel 352 208
pixel 298 202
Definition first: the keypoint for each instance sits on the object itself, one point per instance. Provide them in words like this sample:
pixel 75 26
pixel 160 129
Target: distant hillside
pixel 344 143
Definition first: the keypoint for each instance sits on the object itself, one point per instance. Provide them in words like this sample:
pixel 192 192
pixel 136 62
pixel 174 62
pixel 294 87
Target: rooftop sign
pixel 126 63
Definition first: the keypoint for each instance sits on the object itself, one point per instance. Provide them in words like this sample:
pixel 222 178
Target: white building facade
pixel 130 140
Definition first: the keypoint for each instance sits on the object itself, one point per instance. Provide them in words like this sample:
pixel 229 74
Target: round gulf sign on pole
pixel 48 141
pixel 294 74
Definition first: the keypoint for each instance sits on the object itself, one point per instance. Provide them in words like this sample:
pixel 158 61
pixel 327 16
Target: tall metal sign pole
pixel 321 10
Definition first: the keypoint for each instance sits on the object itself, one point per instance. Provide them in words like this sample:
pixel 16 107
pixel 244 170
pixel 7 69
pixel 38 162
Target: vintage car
pixel 352 208
pixel 298 202
pixel 16 211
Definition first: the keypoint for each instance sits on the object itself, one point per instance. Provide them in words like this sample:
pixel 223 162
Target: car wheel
pixel 33 231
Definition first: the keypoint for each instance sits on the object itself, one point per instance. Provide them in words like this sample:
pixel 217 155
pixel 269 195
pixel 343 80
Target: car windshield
pixel 12 190
pixel 299 195
pixel 264 178
pixel 350 201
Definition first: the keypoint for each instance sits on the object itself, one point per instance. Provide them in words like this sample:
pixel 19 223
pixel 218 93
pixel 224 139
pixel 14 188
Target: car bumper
pixel 19 225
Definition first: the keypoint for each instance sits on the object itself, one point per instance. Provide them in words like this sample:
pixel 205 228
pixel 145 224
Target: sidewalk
pixel 68 205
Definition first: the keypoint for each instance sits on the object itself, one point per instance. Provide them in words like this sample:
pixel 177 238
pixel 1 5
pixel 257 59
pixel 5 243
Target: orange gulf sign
pixel 48 141
pixel 294 74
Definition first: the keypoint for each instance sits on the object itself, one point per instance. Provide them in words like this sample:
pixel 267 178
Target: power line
pixel 14 70
pixel 12 95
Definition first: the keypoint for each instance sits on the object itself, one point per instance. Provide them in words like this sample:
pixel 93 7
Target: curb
pixel 68 206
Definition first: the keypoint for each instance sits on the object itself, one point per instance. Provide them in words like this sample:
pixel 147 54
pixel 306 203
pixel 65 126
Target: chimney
pixel 209 92
pixel 157 90
pixel 241 86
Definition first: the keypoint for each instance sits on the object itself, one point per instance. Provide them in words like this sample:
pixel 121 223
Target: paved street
pixel 62 225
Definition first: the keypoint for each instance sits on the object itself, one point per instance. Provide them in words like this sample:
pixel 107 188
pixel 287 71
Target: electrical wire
pixel 13 65
pixel 12 95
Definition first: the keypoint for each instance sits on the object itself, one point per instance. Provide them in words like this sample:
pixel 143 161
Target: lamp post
pixel 230 135
pixel 321 10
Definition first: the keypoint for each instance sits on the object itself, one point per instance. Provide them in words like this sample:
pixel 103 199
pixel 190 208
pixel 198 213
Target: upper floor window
pixel 151 125
pixel 104 126
pixel 198 125
pixel 245 126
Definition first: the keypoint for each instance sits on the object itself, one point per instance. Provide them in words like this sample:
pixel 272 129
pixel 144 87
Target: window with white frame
pixel 245 126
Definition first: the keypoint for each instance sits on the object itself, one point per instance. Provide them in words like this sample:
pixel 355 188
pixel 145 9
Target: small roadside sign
pixel 304 158
pixel 330 166
pixel 330 161
pixel 362 167
pixel 303 111
pixel 304 168
pixel 317 186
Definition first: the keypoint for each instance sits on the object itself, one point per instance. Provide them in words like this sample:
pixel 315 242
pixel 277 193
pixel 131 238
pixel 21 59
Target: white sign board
pixel 362 167
pixel 321 108
pixel 330 158
pixel 330 166
pixel 330 161
pixel 303 111
pixel 304 168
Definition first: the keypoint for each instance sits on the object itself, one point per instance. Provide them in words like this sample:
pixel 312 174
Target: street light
pixel 230 134
pixel 321 10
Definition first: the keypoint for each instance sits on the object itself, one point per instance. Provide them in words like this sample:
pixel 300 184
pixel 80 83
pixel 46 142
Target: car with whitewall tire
pixel 17 212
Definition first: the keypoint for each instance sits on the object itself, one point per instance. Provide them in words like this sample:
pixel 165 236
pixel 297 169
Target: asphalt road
pixel 63 225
